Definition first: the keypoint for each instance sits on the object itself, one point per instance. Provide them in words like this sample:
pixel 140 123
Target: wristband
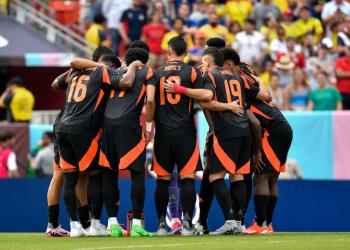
pixel 148 126
pixel 180 89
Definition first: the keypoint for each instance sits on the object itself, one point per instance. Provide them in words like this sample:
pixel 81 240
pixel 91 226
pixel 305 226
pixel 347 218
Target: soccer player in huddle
pixel 54 190
pixel 86 96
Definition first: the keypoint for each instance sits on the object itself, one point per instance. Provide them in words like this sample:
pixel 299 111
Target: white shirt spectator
pixel 249 46
pixel 277 46
pixel 12 162
pixel 113 11
pixel 44 160
pixel 331 7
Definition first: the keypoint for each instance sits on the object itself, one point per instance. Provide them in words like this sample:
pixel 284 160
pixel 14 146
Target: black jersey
pixel 174 114
pixel 124 107
pixel 86 96
pixel 228 87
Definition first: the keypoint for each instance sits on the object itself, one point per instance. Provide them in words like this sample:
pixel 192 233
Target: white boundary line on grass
pixel 133 246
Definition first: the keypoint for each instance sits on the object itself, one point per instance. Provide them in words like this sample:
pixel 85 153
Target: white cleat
pixel 56 232
pixel 162 229
pixel 229 228
pixel 77 230
pixel 240 227
pixel 97 229
pixel 188 230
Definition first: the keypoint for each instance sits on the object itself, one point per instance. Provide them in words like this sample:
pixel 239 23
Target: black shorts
pixel 231 155
pixel 56 152
pixel 123 148
pixel 78 152
pixel 275 147
pixel 182 152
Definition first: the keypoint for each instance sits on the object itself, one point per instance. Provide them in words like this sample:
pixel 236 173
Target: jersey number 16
pixel 172 98
pixel 77 90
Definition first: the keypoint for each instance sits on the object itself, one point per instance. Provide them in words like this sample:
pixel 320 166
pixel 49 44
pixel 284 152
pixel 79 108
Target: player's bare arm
pixel 150 109
pixel 81 63
pixel 255 129
pixel 263 94
pixel 55 86
pixel 219 106
pixel 127 81
pixel 197 94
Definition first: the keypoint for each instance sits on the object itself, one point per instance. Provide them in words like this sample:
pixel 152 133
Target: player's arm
pixel 255 130
pixel 263 94
pixel 150 109
pixel 61 81
pixel 119 79
pixel 81 63
pixel 220 106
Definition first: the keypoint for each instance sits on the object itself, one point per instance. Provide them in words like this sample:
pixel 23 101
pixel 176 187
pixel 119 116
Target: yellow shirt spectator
pixel 172 34
pixel 265 77
pixel 217 31
pixel 268 33
pixel 238 10
pixel 308 24
pixel 96 33
pixel 289 29
pixel 283 5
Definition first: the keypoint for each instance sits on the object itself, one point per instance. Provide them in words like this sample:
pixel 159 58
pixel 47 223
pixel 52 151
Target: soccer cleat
pixel 56 232
pixel 229 228
pixel 162 229
pixel 139 231
pixel 115 230
pixel 97 229
pixel 240 227
pixel 270 229
pixel 255 229
pixel 124 232
pixel 77 230
pixel 188 230
pixel 176 227
pixel 202 229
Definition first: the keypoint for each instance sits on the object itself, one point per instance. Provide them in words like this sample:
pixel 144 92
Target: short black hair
pixel 134 54
pixel 99 19
pixel 178 45
pixel 49 135
pixel 111 61
pixel 6 135
pixel 250 20
pixel 231 55
pixel 216 55
pixel 16 80
pixel 216 42
pixel 178 19
pixel 100 51
pixel 304 8
pixel 139 44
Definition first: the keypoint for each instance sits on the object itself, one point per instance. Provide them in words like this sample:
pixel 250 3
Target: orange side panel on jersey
pixel 223 157
pixel 132 155
pixel 66 165
pixel 158 169
pixel 259 112
pixel 103 161
pixel 105 76
pixel 212 78
pixel 246 84
pixel 191 165
pixel 143 90
pixel 193 75
pixel 90 154
pixel 56 167
pixel 149 74
pixel 245 169
pixel 99 99
pixel 270 154
pixel 283 168
pixel 67 78
pixel 189 105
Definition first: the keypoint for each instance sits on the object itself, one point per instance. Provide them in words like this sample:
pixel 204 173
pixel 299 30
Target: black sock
pixel 188 198
pixel 109 191
pixel 260 203
pixel 270 209
pixel 223 197
pixel 206 195
pixel 70 200
pixel 138 193
pixel 161 198
pixel 248 182
pixel 95 196
pixel 84 216
pixel 53 212
pixel 238 196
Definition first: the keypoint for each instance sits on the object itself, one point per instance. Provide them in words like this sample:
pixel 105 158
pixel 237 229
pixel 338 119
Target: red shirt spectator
pixel 153 33
pixel 342 69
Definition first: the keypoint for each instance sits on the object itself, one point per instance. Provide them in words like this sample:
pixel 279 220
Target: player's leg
pixel 272 200
pixel 220 164
pixel 83 207
pixel 162 165
pixel 206 192
pixel 174 205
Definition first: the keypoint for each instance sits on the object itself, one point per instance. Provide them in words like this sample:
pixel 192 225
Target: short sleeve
pixel 312 96
pixel 338 64
pixel 253 91
pixel 112 77
pixel 154 79
pixel 197 79
pixel 8 98
pixel 64 79
pixel 12 162
pixel 38 160
pixel 337 94
pixel 209 81
pixel 124 17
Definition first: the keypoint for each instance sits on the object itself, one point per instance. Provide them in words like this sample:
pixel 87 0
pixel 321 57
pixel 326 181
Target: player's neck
pixel 176 58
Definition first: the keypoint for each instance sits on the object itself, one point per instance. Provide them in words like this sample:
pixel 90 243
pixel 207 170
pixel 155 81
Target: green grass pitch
pixel 284 241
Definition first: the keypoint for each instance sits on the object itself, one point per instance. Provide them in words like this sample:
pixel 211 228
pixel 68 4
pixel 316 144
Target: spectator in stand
pixel 8 163
pixel 211 8
pixel 296 96
pixel 213 28
pixel 343 37
pixel 263 9
pixel 268 69
pixel 276 91
pixel 250 44
pixel 152 34
pixel 279 44
pixel 96 34
pixel 159 7
pixel 233 30
pixel 335 11
pixel 18 101
pixel 184 13
pixel 292 170
pixel 197 15
pixel 325 97
pixel 342 71
pixel 323 62
pixel 288 23
pixel 237 10
pixel 131 23
pixel 196 52
pixel 113 11
pixel 285 68
pixel 294 53
pixel 308 26
pixel 269 29
pixel 44 160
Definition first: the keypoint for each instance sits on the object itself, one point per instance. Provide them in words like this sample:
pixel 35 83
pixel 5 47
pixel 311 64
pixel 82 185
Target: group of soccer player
pixel 98 133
